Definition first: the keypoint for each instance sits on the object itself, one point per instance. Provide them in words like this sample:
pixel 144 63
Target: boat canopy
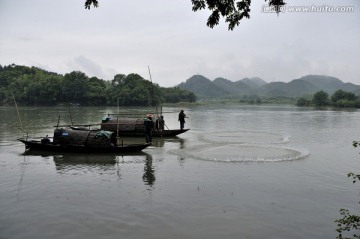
pixel 98 138
pixel 127 124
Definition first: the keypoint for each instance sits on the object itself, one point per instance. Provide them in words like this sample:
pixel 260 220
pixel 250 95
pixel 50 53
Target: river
pixel 241 171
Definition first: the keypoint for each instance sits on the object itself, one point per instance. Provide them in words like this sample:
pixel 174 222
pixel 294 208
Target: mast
pixel 152 88
pixel 153 94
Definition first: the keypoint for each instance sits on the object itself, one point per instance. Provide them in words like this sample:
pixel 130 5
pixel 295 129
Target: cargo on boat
pixel 134 127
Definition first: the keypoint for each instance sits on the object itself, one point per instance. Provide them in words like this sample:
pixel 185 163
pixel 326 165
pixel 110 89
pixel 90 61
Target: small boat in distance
pixel 81 141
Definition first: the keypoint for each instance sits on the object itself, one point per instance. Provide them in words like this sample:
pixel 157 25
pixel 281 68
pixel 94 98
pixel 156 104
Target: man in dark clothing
pixel 148 128
pixel 161 123
pixel 182 117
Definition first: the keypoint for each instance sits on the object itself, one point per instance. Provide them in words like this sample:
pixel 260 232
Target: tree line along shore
pixel 33 86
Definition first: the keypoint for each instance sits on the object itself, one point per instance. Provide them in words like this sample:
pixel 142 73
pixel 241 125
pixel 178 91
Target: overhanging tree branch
pixel 232 11
pixel 88 3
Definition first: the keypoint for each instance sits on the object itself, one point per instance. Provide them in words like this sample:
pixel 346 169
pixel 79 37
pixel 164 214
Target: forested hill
pixel 223 88
pixel 35 86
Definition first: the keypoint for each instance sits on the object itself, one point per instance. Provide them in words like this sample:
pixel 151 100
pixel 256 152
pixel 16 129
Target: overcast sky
pixel 122 37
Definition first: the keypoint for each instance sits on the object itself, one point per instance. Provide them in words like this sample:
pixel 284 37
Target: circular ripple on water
pixel 242 153
pixel 249 137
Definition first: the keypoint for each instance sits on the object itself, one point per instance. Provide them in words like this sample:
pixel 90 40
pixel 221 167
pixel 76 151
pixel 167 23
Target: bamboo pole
pixel 152 88
pixel 57 126
pixel 21 125
pixel 70 116
pixel 117 124
pixel 17 110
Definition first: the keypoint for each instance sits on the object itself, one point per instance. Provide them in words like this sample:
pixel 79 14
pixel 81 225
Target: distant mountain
pixel 308 85
pixel 325 83
pixel 224 88
pixel 233 88
pixel 351 88
pixel 254 82
pixel 294 88
pixel 202 87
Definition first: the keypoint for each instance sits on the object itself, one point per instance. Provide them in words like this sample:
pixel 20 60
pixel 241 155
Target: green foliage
pixel 344 104
pixel 344 99
pixel 357 103
pixel 356 177
pixel 75 87
pixel 251 99
pixel 133 90
pixel 349 223
pixel 233 11
pixel 96 93
pixel 320 98
pixel 340 98
pixel 88 3
pixel 278 100
pixel 34 86
pixel 342 95
pixel 175 95
pixel 356 144
pixel 303 102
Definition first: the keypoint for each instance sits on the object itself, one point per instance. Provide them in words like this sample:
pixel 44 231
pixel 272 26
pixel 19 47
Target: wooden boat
pixel 135 127
pixel 81 141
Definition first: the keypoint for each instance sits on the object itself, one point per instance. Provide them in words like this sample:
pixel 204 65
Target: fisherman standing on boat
pixel 182 117
pixel 148 128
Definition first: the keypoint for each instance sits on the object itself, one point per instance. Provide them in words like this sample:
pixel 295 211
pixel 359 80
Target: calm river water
pixel 240 172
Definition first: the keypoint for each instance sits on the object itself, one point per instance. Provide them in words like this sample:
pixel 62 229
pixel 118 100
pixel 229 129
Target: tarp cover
pixel 82 137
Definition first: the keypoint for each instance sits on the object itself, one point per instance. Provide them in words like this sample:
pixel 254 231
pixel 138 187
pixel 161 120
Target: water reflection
pixel 159 142
pixel 78 164
pixel 182 143
pixel 149 171
pixel 181 147
pixel 81 163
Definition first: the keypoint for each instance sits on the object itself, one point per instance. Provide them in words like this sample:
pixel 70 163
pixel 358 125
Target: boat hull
pixel 155 133
pixel 134 127
pixel 38 145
